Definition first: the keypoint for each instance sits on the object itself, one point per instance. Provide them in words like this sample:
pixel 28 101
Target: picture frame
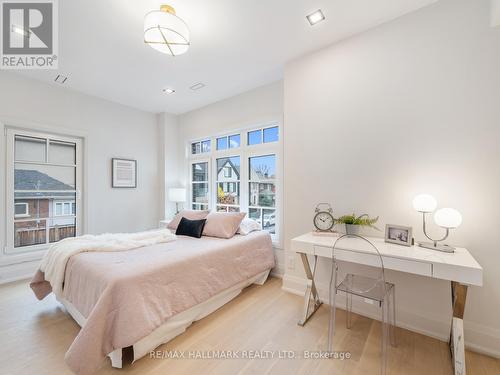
pixel 123 173
pixel 399 234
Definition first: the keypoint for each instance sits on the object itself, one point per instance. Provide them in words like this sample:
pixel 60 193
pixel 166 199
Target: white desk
pixel 459 267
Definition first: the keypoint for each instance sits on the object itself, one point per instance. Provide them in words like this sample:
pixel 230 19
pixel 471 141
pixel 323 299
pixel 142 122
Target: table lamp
pixel 447 218
pixel 177 195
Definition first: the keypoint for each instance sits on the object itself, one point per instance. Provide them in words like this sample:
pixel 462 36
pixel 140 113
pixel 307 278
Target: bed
pixel 145 297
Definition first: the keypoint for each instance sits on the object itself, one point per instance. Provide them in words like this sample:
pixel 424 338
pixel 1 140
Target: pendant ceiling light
pixel 166 32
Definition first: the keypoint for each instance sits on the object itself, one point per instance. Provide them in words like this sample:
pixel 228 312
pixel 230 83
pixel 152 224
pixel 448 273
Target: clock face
pixel 323 221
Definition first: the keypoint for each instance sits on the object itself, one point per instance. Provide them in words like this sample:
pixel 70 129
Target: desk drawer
pixel 392 263
pixel 302 247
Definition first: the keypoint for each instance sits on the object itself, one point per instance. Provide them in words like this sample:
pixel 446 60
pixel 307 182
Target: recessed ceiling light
pixel 197 86
pixel 61 79
pixel 168 91
pixel 315 17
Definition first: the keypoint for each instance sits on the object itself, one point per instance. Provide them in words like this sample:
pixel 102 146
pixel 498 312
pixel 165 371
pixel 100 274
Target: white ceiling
pixel 236 45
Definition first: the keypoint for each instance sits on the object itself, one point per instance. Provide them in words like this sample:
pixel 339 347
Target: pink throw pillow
pixel 223 224
pixel 188 214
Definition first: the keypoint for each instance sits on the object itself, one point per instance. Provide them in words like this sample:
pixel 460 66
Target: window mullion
pixel 47 143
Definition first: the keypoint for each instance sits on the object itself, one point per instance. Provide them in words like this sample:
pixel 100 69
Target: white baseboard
pixel 279 257
pixel 478 338
pixel 18 271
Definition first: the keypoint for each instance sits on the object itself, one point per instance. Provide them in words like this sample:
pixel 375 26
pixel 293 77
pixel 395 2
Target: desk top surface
pixel 460 259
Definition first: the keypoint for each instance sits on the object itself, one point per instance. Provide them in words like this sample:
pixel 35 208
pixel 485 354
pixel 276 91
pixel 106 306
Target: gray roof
pixel 26 179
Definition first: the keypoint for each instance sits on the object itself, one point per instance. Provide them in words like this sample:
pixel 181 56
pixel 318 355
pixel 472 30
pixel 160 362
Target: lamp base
pixel 443 248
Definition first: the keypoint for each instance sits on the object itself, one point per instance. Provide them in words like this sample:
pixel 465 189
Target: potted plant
pixel 354 223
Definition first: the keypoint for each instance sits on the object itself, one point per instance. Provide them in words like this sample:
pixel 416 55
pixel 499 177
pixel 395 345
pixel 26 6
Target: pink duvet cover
pixel 127 295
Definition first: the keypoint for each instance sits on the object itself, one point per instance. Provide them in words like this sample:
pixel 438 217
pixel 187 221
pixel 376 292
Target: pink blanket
pixel 127 295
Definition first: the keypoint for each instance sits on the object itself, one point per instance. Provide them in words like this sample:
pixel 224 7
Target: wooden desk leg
pixel 311 290
pixel 457 347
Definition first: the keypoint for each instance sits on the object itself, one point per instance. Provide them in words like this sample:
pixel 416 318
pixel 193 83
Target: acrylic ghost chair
pixel 374 289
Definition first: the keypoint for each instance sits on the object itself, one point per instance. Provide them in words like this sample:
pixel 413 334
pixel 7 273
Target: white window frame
pixel 191 182
pixel 64 204
pixel 270 181
pixel 221 154
pixel 200 143
pixel 228 141
pixel 11 133
pixel 245 151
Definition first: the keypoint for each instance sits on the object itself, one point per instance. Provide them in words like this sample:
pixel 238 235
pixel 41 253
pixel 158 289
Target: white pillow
pixel 247 226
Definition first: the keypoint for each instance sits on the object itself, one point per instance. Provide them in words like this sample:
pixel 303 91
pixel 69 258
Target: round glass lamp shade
pixel 424 203
pixel 448 218
pixel 165 32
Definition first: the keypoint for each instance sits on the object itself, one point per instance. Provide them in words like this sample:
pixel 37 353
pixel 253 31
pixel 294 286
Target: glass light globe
pixel 166 32
pixel 424 203
pixel 448 218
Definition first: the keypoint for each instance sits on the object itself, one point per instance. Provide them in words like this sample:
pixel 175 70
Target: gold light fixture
pixel 166 32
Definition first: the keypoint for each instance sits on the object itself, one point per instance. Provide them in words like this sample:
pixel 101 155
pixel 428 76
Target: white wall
pixel 495 13
pixel 110 130
pixel 411 106
pixel 168 160
pixel 259 106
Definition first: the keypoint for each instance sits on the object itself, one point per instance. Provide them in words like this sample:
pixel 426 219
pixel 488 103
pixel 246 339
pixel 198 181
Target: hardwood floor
pixel 34 335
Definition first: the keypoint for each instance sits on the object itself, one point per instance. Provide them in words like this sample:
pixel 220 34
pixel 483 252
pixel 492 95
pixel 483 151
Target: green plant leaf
pixel 363 220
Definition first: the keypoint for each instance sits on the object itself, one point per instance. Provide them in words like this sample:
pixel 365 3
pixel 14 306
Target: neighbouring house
pixel 262 191
pixel 228 186
pixel 44 208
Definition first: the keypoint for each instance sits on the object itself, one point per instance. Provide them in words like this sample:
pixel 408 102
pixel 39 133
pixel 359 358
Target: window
pixel 199 186
pixel 232 141
pixel 59 209
pixel 271 134
pixel 241 175
pixel 228 184
pixel 200 147
pixel 64 208
pixel 262 191
pixel 222 143
pixel 266 135
pixel 254 137
pixel 21 210
pixel 42 189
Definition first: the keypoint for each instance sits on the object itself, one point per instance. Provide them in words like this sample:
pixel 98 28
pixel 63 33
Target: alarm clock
pixel 323 218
